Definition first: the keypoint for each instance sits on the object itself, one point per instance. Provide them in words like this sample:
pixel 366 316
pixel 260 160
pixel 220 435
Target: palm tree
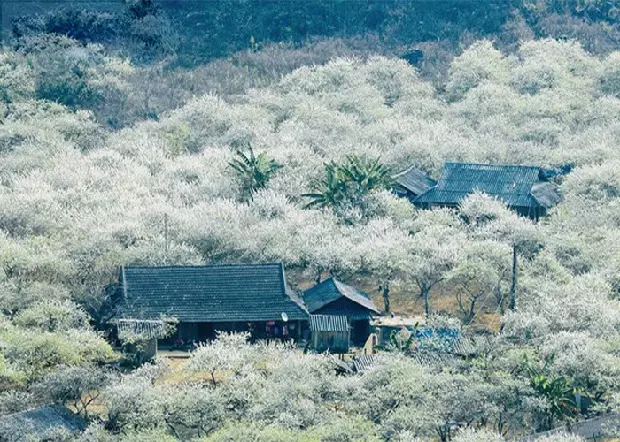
pixel 253 171
pixel 558 392
pixel 330 191
pixel 348 183
pixel 366 174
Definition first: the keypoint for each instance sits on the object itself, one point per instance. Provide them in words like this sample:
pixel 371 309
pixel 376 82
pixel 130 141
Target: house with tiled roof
pixel 525 189
pixel 206 299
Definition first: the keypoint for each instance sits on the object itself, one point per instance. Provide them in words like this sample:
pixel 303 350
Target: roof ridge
pixel 492 164
pixel 203 266
pixel 413 167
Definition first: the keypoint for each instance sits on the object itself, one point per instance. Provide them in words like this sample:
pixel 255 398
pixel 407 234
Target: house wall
pixel 205 331
pixel 358 318
pixel 334 342
pixel 530 212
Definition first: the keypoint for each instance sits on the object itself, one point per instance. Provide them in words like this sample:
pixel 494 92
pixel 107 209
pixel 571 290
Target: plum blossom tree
pixel 490 219
pixel 228 352
pixel 480 275
pixel 433 251
pixel 382 249
pixel 77 200
pixel 80 386
pixel 472 435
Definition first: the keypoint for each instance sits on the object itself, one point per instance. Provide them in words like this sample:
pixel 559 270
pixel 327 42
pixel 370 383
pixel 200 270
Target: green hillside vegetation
pixel 108 160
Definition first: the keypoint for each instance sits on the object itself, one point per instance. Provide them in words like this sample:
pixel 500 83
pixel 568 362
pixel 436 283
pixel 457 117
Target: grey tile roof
pixel 39 422
pixel 331 290
pixel 328 323
pixel 219 293
pixel 512 184
pixel 414 180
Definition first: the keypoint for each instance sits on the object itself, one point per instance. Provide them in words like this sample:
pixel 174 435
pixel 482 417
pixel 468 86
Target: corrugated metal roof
pixel 144 328
pixel 328 323
pixel 363 363
pixel 414 180
pixel 35 423
pixel 512 184
pixel 430 359
pixel 219 293
pixel 331 290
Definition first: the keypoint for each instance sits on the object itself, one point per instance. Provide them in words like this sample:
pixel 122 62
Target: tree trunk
pixel 386 298
pixel 471 314
pixel 443 433
pixel 513 286
pixel 426 293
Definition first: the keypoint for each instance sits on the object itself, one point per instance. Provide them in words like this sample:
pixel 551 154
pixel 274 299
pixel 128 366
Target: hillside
pixel 108 159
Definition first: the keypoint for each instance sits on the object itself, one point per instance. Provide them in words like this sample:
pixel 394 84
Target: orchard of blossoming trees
pixel 225 178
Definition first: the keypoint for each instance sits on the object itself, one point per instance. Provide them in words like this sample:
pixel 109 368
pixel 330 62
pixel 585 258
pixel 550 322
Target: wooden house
pixel 525 189
pixel 330 333
pixel 206 299
pixel 334 298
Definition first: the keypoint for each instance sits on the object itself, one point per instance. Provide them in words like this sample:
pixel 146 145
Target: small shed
pixel 412 182
pixel 330 333
pixel 334 298
pixel 525 189
pixel 386 325
pixel 148 331
pixel 42 423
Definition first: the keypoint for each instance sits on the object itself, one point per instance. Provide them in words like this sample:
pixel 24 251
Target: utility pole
pixel 513 286
pixel 166 234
